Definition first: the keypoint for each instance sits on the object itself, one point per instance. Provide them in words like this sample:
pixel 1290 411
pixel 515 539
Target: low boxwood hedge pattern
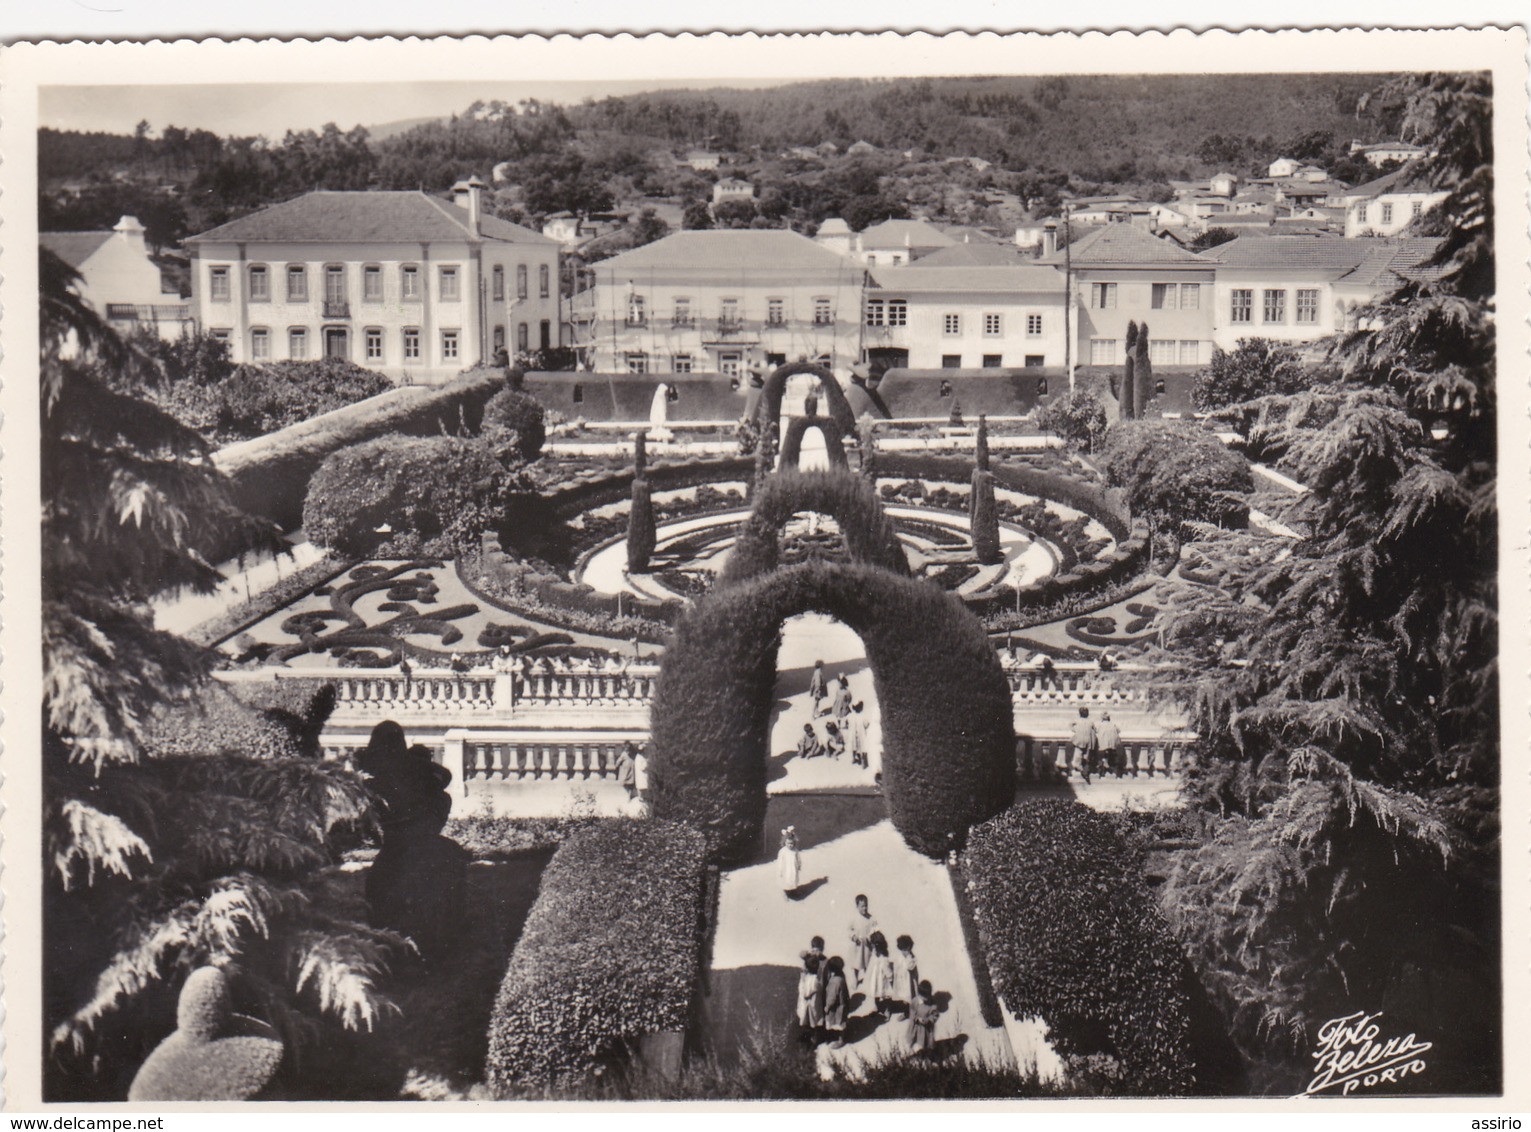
pixel 792 442
pixel 948 740
pixel 610 952
pixel 1071 934
pixel 869 533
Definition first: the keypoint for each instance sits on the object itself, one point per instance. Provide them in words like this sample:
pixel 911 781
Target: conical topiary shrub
pixel 981 448
pixel 640 454
pixel 1143 373
pixel 1126 398
pixel 640 529
pixel 985 519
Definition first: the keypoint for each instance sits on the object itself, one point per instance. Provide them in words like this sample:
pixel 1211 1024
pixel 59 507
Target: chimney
pixel 1049 237
pixel 469 195
pixel 130 230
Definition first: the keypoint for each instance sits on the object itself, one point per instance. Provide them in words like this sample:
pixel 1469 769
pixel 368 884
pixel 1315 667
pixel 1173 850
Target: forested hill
pixel 1088 125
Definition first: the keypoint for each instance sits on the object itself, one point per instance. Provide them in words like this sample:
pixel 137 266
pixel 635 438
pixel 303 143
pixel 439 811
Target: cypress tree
pixel 640 529
pixel 1126 395
pixel 640 454
pixel 1143 370
pixel 985 519
pixel 981 449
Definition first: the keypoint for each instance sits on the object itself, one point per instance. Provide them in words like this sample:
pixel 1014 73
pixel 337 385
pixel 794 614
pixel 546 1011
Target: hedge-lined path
pixel 760 933
pixel 805 639
pixel 243 579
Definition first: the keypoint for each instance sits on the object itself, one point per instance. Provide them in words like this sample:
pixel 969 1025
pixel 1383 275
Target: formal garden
pixel 314 925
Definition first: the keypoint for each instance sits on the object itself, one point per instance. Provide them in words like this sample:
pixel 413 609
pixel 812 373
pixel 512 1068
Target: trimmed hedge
pixel 1179 471
pixel 948 756
pixel 984 519
pixel 611 951
pixel 852 501
pixel 262 605
pixel 640 528
pixel 1072 934
pixel 516 421
pixel 439 493
pixel 792 443
pixel 596 487
pixel 269 475
pixel 768 411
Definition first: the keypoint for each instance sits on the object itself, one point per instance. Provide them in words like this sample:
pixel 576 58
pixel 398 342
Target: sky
pixel 245 110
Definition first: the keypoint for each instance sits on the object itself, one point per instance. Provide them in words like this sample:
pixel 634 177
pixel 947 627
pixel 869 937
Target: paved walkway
pixel 805 639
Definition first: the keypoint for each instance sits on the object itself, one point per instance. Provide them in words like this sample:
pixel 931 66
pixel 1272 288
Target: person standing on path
pixel 627 772
pixel 641 774
pixel 858 736
pixel 789 863
pixel 923 1012
pixel 837 1001
pixel 861 928
pixel 810 1002
pixel 906 970
pixel 841 704
pixel 881 975
pixel 1082 744
pixel 1109 738
pixel 816 689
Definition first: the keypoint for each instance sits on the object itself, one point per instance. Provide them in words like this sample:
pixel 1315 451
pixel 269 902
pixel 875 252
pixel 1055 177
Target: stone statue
pixel 214 1053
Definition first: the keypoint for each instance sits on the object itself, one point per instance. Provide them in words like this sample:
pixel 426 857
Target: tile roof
pixel 743 249
pixel 1012 277
pixel 365 217
pixel 892 233
pixel 985 253
pixel 1409 178
pixel 1122 244
pixel 74 248
pixel 1363 260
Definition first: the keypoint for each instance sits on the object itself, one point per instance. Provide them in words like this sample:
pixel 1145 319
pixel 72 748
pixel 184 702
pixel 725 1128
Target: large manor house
pixel 422 287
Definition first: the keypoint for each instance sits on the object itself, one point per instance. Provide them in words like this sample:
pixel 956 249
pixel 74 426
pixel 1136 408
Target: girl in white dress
pixel 789 863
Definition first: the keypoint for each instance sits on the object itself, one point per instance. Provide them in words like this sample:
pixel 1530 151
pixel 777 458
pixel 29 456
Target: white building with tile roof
pixel 119 280
pixel 409 284
pixel 1389 204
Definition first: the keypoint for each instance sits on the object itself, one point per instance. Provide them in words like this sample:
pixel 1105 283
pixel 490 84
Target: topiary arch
pixel 792 442
pixel 850 499
pixel 948 740
pixel 769 409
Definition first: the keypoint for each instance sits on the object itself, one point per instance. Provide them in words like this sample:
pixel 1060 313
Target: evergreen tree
pixel 1142 373
pixel 985 519
pixel 640 455
pixel 640 529
pixel 134 733
pixel 981 446
pixel 1351 756
pixel 1126 395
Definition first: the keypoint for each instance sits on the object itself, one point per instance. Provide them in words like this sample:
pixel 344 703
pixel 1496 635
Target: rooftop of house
pixel 74 248
pixel 1122 244
pixel 904 233
pixel 1411 178
pixel 1361 260
pixel 1012 276
pixel 1391 147
pixel 368 216
pixel 745 250
pixel 974 253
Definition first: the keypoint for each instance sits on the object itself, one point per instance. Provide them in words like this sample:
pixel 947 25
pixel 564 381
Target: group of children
pixel 846 730
pixel 892 982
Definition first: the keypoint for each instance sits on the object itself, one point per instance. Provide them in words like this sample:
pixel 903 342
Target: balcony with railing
pixel 148 312
pixel 679 321
pixel 337 308
pixel 636 320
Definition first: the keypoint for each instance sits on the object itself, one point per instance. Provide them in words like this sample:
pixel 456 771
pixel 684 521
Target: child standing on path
pixel 860 932
pixel 841 704
pixel 858 728
pixel 837 1000
pixel 923 1013
pixel 816 690
pixel 789 863
pixel 906 971
pixel 810 1007
pixel 881 975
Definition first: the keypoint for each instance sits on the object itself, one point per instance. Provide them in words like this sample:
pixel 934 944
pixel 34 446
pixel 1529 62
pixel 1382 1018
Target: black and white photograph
pixel 974 575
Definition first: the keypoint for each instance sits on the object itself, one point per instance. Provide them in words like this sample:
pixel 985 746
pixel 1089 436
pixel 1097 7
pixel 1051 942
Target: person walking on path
pixel 808 745
pixel 841 704
pixel 834 741
pixel 1082 744
pixel 810 1001
pixel 816 689
pixel 906 972
pixel 1108 736
pixel 858 736
pixel 789 863
pixel 861 928
pixel 837 1001
pixel 627 771
pixel 923 1012
pixel 880 975
pixel 641 774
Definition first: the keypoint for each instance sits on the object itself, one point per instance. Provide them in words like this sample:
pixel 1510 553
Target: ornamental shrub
pixel 436 494
pixel 981 445
pixel 1127 394
pixel 948 740
pixel 1178 472
pixel 256 399
pixel 640 528
pixel 984 519
pixel 515 423
pixel 610 952
pixel 792 442
pixel 1078 419
pixel 1142 374
pixel 1072 934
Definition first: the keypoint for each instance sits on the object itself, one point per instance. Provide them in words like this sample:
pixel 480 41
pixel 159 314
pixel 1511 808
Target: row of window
pixel 1161 351
pixel 1416 208
pixel 1273 305
pixel 337 343
pixel 993 325
pixel 997 361
pixel 448 288
pixel 1165 296
pixel 683 314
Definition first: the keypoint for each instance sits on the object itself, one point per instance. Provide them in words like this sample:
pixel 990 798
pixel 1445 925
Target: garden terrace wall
pixel 1179 382
pixel 269 475
pixel 630 397
pixel 1071 934
pixel 996 392
pixel 948 739
pixel 611 952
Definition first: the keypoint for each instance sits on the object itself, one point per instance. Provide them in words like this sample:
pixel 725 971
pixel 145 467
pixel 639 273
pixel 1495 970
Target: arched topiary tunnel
pixel 948 742
pixel 792 442
pixel 850 499
pixel 776 386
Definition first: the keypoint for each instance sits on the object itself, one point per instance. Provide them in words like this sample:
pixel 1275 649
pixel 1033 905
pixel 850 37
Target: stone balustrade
pixel 517 756
pixel 388 693
pixel 1170 754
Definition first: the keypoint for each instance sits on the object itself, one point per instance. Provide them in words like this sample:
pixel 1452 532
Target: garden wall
pixel 630 397
pixel 611 952
pixel 270 474
pixel 1071 934
pixel 998 393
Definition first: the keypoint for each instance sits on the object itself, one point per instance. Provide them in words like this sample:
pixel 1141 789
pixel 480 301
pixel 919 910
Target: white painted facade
pixel 1282 304
pixel 1389 213
pixel 968 328
pixel 124 286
